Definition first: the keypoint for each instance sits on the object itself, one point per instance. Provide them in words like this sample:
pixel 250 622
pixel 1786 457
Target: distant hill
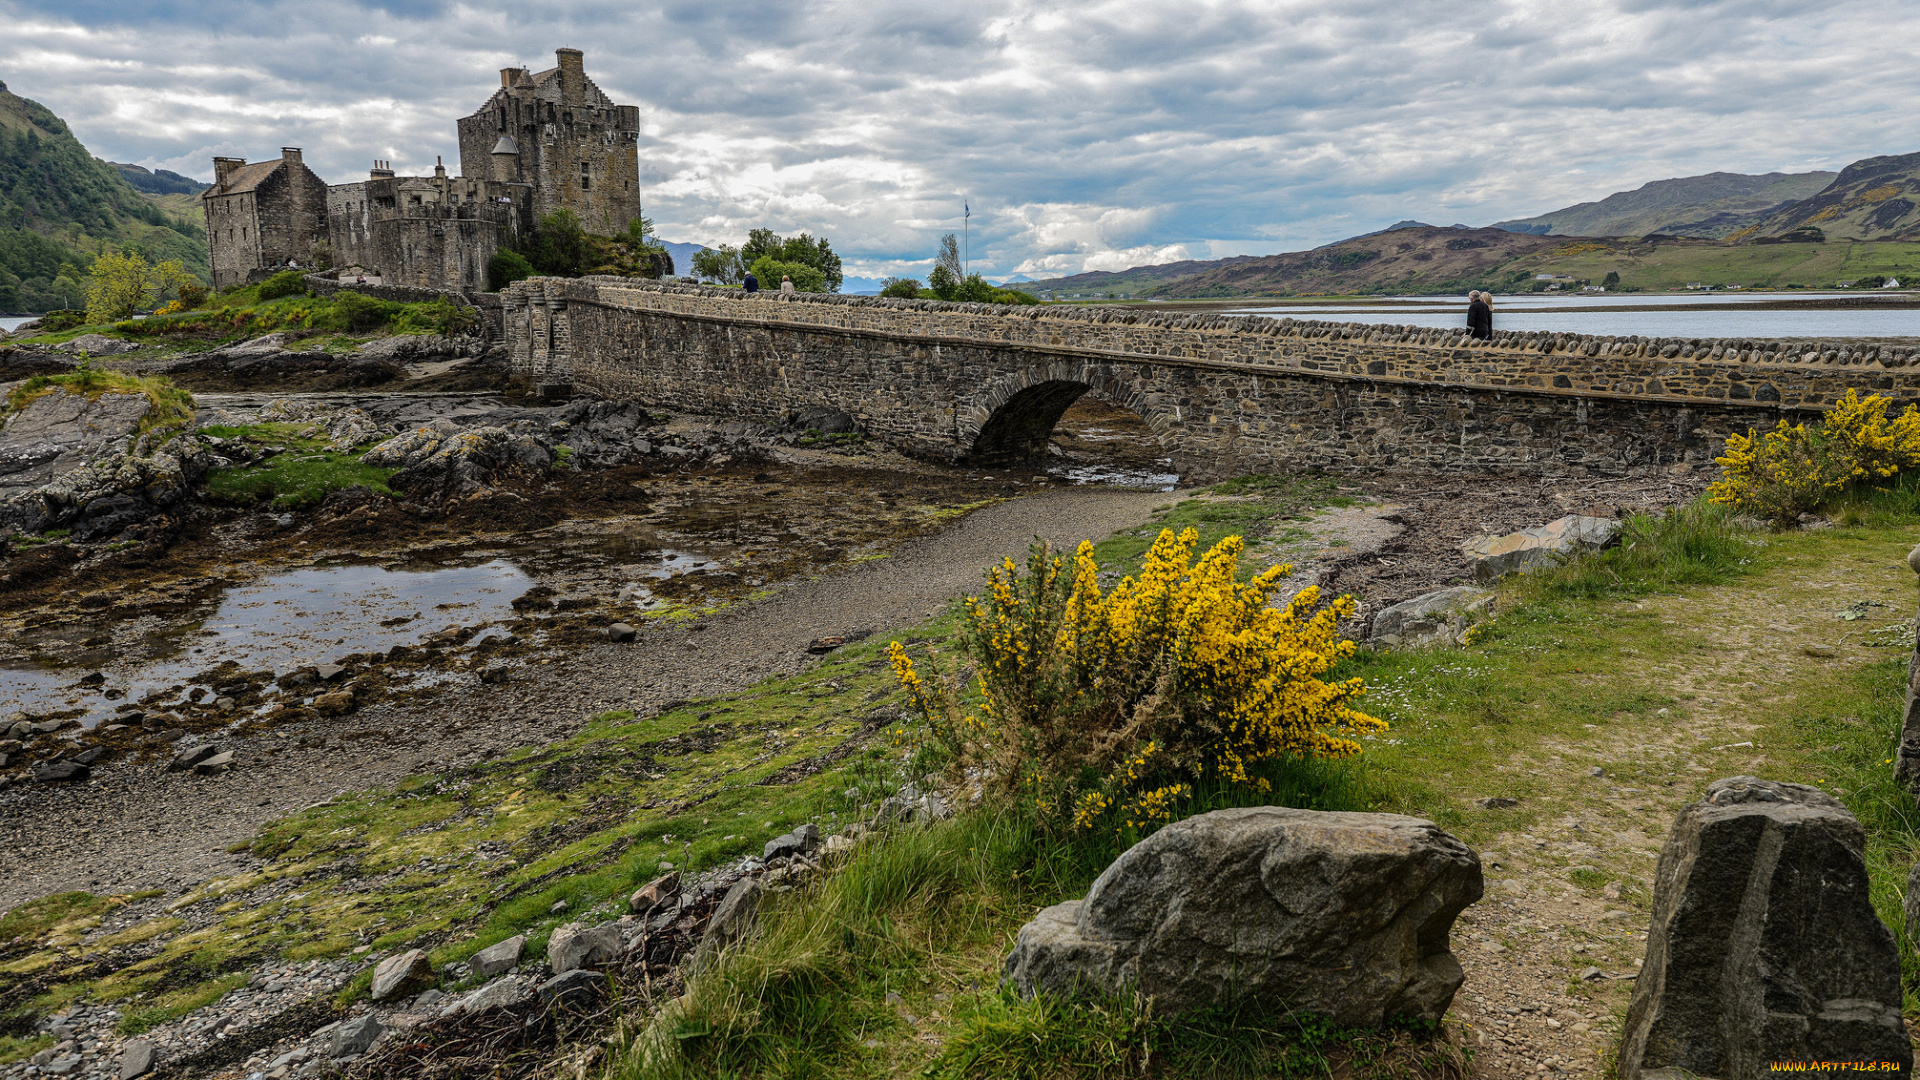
pixel 1421 259
pixel 158 181
pixel 60 206
pixel 1131 282
pixel 1874 199
pixel 1715 205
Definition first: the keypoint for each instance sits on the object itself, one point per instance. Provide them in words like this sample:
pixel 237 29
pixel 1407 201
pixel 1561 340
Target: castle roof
pixel 244 178
pixel 506 145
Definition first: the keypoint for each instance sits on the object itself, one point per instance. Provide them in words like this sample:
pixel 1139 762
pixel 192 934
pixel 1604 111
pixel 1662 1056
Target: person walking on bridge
pixel 786 287
pixel 1479 315
pixel 751 283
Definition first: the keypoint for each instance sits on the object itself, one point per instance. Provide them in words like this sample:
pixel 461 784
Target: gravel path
pixel 139 827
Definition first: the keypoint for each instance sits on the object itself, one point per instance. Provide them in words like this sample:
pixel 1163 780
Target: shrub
pixel 359 312
pixel 805 278
pixel 1792 470
pixel 505 268
pixel 284 283
pixel 1113 709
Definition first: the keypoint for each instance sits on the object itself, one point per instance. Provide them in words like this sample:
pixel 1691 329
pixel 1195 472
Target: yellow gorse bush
pixel 1112 707
pixel 1793 470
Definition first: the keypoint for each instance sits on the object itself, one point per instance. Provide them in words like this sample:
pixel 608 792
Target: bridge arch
pixel 1014 416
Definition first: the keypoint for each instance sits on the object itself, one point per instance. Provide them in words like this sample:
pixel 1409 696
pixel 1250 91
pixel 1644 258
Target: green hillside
pixel 60 206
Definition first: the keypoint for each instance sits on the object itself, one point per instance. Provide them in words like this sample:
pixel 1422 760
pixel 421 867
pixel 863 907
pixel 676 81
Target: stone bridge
pixel 1223 395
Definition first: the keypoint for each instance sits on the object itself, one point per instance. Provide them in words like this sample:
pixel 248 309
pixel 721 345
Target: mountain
pixel 1421 259
pixel 1874 199
pixel 1130 282
pixel 60 206
pixel 1715 205
pixel 159 182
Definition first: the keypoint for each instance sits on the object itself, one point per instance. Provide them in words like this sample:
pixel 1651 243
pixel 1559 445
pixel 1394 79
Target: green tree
pixel 949 260
pixel 507 267
pixel 722 264
pixel 805 278
pixel 803 249
pixel 123 282
pixel 558 245
pixel 904 288
pixel 943 284
pixel 1612 279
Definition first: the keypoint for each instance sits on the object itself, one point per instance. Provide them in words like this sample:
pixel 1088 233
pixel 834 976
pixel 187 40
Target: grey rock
pixel 1497 802
pixel 355 1037
pixel 731 920
pixel 557 907
pixel 65 1066
pixel 401 975
pixel 97 345
pixel 497 674
pixel 1436 618
pixel 508 992
pixel 1345 915
pixel 136 1059
pixel 621 632
pixel 498 957
pixel 578 989
pixel 427 1000
pixel 1494 557
pixel 800 841
pixel 59 432
pixel 574 946
pixel 58 771
pixel 1906 758
pixel 90 755
pixel 1764 945
pixel 192 756
pixel 328 672
pixel 218 763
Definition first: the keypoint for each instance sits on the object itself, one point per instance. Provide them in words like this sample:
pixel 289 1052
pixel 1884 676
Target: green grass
pixel 241 313
pixel 1694 544
pixel 305 474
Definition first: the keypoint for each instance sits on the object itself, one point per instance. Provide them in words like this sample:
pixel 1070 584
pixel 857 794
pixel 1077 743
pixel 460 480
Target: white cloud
pixel 1086 136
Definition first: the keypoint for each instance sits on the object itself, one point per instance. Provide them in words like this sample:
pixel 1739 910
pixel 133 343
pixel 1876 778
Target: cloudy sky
pixel 1092 135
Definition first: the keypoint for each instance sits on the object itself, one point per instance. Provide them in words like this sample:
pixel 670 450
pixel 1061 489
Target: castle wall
pixel 233 238
pixel 426 232
pixel 1226 394
pixel 276 218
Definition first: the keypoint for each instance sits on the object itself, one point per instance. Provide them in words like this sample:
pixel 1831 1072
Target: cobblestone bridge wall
pixel 1223 394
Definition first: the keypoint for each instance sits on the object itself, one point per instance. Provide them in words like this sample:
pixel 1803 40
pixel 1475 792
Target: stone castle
pixel 545 141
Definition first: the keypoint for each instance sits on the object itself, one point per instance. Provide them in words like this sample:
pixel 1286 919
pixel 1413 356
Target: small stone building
pixel 545 141
pixel 262 215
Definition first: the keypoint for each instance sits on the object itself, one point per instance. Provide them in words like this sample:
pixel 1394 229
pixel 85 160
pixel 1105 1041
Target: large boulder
pixel 402 975
pixel 1343 915
pixel 67 460
pixel 58 432
pixel 1436 618
pixel 1765 946
pixel 1494 557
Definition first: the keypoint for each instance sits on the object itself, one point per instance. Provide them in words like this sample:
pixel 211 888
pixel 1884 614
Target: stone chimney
pixel 382 170
pixel 507 75
pixel 439 170
pixel 290 155
pixel 573 75
pixel 223 167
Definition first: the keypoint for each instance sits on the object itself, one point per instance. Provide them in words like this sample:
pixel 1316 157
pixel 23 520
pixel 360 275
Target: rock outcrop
pixel 70 461
pixel 1494 557
pixel 441 459
pixel 1343 915
pixel 1764 946
pixel 1437 618
pixel 1906 759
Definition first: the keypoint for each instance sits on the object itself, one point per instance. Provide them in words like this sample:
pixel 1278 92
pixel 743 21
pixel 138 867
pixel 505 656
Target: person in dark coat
pixel 1479 315
pixel 752 283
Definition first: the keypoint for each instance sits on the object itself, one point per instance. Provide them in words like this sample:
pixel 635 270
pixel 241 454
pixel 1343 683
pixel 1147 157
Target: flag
pixel 966 211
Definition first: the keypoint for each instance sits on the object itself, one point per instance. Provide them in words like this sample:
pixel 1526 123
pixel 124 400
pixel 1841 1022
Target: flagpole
pixel 966 231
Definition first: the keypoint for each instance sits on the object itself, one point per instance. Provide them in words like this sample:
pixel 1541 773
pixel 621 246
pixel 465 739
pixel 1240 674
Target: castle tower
pixel 558 133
